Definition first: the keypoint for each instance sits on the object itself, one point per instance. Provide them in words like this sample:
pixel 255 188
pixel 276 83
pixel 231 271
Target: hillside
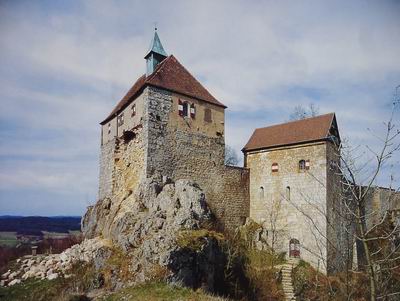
pixel 34 225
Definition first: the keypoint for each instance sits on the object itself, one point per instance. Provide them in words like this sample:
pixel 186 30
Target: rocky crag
pixel 151 228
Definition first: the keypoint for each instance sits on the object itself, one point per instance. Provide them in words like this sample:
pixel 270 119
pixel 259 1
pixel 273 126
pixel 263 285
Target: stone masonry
pixel 168 147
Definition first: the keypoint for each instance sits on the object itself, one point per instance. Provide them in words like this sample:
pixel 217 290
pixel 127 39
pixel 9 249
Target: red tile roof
pixel 169 75
pixel 294 132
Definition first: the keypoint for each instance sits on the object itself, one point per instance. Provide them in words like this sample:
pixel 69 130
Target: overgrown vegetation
pixel 160 291
pixel 251 274
pixel 312 285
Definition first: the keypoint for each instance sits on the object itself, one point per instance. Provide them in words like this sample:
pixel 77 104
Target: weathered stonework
pixel 180 148
pixel 169 147
pixel 160 136
pixel 293 203
pixel 106 169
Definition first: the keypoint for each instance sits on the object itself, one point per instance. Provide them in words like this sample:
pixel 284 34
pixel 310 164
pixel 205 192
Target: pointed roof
pixel 156 46
pixel 295 132
pixel 169 75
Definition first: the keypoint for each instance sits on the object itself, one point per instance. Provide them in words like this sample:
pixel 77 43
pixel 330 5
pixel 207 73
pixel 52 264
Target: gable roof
pixel 169 75
pixel 294 132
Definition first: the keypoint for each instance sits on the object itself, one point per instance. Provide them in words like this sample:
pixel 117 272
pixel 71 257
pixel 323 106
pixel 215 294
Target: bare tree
pixel 231 157
pixel 376 232
pixel 301 112
pixel 371 213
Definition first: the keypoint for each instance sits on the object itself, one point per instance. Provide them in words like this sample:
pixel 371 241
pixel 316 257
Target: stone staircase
pixel 287 278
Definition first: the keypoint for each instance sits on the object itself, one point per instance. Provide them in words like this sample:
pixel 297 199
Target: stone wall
pixel 121 173
pixel 112 129
pixel 291 203
pixel 179 148
pixel 340 226
pixel 106 169
pixel 165 146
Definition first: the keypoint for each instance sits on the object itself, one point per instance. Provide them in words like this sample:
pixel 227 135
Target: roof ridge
pixel 294 121
pixel 158 68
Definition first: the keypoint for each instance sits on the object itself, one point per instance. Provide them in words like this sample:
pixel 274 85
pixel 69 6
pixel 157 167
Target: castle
pixel 169 127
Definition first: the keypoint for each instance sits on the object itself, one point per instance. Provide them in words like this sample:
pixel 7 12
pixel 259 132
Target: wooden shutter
pixel 192 111
pixel 275 167
pixel 180 107
pixel 307 164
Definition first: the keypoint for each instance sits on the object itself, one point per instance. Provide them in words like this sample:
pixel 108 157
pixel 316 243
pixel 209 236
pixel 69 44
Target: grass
pixel 160 291
pixel 34 289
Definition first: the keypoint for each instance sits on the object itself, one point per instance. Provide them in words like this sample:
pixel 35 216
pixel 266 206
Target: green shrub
pixel 160 291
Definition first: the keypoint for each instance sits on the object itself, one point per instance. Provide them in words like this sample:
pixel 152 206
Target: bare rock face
pixel 152 208
pixel 147 224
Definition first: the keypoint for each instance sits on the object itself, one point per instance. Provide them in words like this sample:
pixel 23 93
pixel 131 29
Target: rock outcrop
pixel 147 224
pixel 146 228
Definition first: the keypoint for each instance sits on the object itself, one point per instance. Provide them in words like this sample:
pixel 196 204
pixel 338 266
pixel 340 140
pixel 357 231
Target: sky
pixel 65 64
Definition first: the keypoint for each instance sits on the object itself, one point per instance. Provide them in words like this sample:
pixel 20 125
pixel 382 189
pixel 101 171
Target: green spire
pixel 156 46
pixel 155 55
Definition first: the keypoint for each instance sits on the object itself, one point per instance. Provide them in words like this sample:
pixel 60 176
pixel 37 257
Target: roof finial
pixel 156 53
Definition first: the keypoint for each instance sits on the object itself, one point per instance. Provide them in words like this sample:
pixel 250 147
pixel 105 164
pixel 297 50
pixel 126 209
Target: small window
pixel 275 167
pixel 261 193
pixel 302 165
pixel 207 115
pixel 288 193
pixel 121 119
pixel 186 109
pixel 109 128
pixel 133 110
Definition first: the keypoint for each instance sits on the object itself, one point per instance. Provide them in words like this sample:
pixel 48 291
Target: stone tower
pixel 295 190
pixel 169 127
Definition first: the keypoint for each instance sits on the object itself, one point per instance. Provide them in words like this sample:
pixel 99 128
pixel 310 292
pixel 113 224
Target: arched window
pixel 288 193
pixel 304 165
pixel 275 167
pixel 261 192
pixel 294 248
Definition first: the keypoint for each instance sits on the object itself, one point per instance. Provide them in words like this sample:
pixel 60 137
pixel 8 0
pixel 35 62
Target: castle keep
pixel 169 127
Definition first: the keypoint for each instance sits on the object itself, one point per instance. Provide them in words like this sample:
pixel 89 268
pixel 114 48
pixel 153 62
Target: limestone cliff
pixel 147 226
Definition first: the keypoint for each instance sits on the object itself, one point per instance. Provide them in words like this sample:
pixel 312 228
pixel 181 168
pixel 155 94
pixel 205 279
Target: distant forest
pixel 34 225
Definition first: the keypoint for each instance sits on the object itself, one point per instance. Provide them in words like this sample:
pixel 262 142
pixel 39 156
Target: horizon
pixel 65 65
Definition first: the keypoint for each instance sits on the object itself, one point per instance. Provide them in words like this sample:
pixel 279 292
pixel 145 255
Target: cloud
pixel 63 66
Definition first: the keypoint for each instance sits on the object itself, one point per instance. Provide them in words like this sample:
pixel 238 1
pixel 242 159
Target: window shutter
pixel 275 167
pixel 192 111
pixel 308 164
pixel 180 107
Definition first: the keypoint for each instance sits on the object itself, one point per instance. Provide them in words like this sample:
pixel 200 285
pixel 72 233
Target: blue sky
pixel 65 64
